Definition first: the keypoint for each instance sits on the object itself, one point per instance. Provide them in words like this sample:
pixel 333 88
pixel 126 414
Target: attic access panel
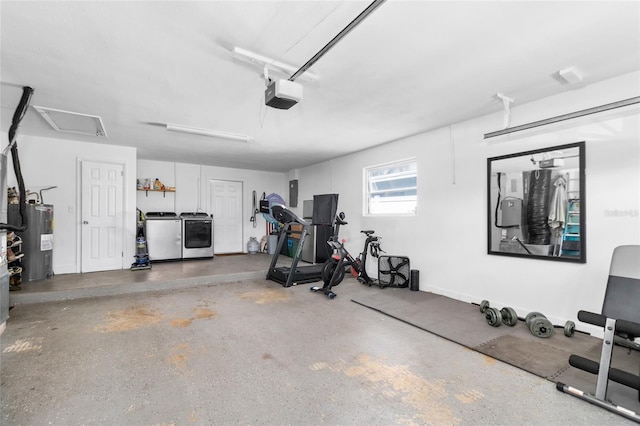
pixel 72 122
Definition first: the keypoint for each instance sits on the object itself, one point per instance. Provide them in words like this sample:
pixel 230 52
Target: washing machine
pixel 164 235
pixel 197 235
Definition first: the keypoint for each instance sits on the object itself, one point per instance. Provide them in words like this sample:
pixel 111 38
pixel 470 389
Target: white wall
pixel 156 201
pixel 55 162
pixel 447 239
pixel 192 190
pixel 49 162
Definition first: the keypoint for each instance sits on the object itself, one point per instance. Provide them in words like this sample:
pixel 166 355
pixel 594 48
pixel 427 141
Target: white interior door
pixel 225 198
pixel 102 216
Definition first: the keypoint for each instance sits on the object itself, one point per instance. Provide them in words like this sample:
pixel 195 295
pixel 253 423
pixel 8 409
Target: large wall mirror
pixel 536 204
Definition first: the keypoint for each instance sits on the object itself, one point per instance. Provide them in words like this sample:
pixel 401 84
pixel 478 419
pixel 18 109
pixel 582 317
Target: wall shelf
pixel 164 191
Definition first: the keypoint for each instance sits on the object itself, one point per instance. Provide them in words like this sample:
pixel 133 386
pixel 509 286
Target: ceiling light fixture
pixel 205 132
pixel 570 75
pixel 263 61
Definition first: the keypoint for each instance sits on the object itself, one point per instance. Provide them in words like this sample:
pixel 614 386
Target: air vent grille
pixel 73 122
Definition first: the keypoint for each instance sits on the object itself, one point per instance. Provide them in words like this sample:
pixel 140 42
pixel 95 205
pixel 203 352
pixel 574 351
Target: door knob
pixel 84 222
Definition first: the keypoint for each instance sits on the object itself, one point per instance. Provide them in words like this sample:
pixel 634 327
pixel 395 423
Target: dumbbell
pixel 540 326
pixel 509 316
pixel 569 328
pixel 496 318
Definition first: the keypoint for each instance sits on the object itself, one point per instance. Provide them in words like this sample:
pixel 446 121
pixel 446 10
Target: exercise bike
pixel 334 269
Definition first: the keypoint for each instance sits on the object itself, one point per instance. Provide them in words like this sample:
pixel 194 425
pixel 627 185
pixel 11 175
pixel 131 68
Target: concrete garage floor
pixel 162 276
pixel 252 352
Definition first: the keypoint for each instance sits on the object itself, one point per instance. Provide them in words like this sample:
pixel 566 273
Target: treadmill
pixel 284 274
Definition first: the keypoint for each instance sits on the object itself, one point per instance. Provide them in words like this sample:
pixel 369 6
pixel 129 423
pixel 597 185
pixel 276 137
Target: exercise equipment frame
pixel 603 369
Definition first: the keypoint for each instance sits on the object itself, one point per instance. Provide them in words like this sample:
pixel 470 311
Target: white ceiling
pixel 410 67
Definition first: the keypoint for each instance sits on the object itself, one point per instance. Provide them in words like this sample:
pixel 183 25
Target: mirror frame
pixel 582 190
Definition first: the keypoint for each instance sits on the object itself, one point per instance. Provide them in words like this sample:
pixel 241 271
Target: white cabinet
pixel 188 199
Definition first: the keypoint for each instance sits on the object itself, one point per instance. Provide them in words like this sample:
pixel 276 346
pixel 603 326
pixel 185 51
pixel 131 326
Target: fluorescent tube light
pixel 263 61
pixel 205 132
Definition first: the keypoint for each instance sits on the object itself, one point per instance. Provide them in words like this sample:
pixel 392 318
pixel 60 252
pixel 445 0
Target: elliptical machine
pixel 334 268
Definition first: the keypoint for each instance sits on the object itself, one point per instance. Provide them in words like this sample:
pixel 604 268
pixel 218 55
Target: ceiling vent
pixel 73 122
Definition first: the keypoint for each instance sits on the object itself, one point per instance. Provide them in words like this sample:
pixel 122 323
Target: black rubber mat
pixel 533 356
pixel 463 323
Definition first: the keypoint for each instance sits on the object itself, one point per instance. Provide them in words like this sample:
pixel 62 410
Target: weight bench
pixel 621 321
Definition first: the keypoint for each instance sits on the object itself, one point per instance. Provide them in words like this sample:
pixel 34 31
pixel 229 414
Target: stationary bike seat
pixel 368 232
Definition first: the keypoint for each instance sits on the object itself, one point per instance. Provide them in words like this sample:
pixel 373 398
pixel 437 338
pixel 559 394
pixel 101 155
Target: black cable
pixel 18 115
pixel 522 245
pixel 20 112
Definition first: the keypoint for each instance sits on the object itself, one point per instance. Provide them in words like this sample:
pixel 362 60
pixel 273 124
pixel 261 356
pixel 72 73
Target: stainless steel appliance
pixel 316 249
pixel 307 209
pixel 164 235
pixel 37 240
pixel 197 235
